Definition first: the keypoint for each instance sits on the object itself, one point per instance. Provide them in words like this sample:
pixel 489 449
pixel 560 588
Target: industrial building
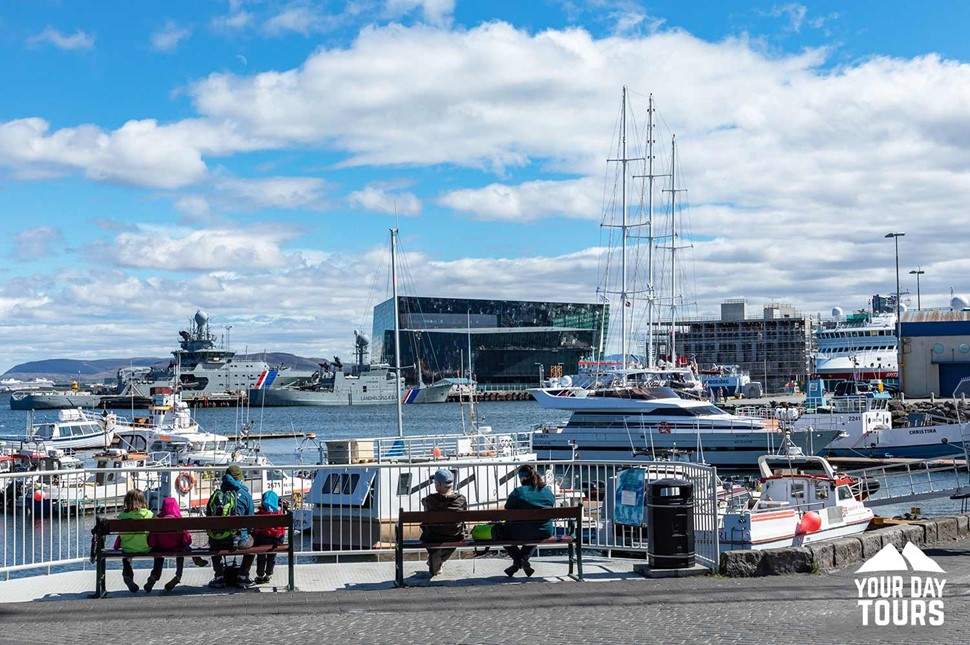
pixel 936 351
pixel 512 342
pixel 775 347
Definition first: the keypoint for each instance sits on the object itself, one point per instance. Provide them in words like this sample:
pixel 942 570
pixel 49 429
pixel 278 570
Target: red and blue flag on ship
pixel 266 379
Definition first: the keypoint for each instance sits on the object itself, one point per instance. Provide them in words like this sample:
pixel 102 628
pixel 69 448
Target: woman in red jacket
pixel 168 542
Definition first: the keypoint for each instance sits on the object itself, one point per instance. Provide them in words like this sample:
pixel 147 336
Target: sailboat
pixel 356 506
pixel 634 410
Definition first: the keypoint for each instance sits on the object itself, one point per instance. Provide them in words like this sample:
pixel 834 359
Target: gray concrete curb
pixel 837 554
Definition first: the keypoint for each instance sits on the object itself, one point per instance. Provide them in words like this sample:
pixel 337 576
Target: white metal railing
pixel 910 481
pixel 47 515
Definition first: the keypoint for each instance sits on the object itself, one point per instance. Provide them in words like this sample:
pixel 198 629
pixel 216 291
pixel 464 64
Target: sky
pixel 247 158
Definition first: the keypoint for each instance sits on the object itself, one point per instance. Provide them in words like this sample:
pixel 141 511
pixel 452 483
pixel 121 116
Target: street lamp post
pixel 918 272
pixel 228 337
pixel 542 373
pixel 899 321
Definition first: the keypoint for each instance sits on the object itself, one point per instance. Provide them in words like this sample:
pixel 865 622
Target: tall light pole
pixel 918 272
pixel 899 320
pixel 542 373
pixel 228 337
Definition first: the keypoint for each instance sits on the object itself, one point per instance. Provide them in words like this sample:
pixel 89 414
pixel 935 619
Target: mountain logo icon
pixel 890 559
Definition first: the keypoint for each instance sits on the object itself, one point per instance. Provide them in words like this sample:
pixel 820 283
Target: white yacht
pixel 72 430
pixel 643 422
pixel 860 346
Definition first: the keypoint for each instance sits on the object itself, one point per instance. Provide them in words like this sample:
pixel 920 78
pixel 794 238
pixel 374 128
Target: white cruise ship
pixel 863 347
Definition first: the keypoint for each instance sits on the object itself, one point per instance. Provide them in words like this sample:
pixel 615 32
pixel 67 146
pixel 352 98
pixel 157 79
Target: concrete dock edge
pixel 843 552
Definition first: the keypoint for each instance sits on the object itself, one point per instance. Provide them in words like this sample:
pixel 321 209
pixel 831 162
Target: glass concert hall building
pixel 510 339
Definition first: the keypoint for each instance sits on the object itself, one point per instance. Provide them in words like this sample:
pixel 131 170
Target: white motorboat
pixel 864 418
pixel 803 500
pixel 641 422
pixel 728 380
pixel 73 430
pixel 116 472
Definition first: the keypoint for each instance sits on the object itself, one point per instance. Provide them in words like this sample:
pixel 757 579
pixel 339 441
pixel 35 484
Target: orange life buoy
pixel 184 482
pixel 663 427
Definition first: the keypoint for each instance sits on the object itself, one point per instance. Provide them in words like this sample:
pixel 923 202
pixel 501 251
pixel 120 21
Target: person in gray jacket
pixel 443 499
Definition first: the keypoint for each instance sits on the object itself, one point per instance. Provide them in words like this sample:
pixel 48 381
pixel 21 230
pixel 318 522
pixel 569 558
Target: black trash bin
pixel 670 524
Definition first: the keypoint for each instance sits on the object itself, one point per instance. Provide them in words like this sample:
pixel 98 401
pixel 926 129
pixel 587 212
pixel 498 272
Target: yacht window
pixel 822 490
pixel 274 475
pixel 844 492
pixel 798 490
pixel 340 483
pixel 365 388
pixel 404 484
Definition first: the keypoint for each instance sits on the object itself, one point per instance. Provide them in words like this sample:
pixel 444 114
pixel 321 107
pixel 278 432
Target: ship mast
pixel 673 250
pixel 623 294
pixel 650 241
pixel 397 333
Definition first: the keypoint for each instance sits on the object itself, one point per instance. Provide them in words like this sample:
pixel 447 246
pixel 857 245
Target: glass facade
pixel 509 338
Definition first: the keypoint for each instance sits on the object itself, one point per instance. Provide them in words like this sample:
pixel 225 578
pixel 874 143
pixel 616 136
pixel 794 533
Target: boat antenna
pixel 397 333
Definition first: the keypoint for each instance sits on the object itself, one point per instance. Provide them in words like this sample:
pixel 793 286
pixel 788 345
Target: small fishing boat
pixel 73 430
pixel 803 500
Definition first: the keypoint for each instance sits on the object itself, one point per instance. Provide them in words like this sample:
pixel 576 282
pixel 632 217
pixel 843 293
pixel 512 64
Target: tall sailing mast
pixel 624 227
pixel 397 333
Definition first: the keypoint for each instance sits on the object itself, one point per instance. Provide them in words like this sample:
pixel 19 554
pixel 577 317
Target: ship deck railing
pixel 431 447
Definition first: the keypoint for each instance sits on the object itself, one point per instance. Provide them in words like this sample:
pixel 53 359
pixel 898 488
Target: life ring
pixel 184 482
pixel 663 427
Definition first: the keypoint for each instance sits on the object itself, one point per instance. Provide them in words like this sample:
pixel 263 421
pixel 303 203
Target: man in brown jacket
pixel 443 499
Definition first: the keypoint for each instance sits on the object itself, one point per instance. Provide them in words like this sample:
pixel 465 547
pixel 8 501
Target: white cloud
pixel 51 36
pixel 795 13
pixel 435 12
pixel 529 201
pixel 38 242
pixel 179 249
pixel 378 200
pixel 168 37
pixel 273 192
pixel 300 18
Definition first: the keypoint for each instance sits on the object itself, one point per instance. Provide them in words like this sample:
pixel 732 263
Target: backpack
pixel 222 503
pixel 493 531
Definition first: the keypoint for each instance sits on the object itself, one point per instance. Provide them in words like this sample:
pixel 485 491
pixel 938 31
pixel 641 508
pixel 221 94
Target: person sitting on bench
pixel 443 499
pixel 532 493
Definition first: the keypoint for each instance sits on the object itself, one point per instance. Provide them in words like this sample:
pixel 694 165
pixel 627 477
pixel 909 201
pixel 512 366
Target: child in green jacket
pixel 135 509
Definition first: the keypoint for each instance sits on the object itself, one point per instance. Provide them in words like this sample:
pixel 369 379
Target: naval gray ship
pixel 203 369
pixel 331 385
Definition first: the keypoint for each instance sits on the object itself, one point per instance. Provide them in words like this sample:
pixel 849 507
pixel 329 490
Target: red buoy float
pixel 811 522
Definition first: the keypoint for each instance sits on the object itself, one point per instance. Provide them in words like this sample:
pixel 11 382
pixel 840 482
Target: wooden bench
pixel 574 515
pixel 104 527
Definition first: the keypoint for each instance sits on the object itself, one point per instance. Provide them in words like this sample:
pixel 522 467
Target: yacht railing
pixel 340 510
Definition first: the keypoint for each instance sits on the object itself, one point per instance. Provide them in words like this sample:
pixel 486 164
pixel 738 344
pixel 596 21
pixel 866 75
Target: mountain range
pixel 65 370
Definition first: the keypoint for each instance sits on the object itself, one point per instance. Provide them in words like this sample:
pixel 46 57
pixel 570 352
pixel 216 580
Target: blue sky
pixel 247 157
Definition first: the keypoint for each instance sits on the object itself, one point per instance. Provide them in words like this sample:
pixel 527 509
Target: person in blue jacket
pixel 531 493
pixel 243 501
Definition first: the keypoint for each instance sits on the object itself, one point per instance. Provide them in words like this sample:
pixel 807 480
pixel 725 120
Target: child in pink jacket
pixel 168 542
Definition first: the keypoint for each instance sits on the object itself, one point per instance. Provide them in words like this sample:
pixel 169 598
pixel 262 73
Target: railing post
pixel 291 555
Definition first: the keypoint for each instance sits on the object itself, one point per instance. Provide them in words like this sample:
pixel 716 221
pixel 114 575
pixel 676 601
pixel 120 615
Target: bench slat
pixel 264 548
pixel 417 544
pixel 197 523
pixel 514 515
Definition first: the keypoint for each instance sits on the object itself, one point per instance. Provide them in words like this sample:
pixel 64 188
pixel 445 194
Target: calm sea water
pixel 334 423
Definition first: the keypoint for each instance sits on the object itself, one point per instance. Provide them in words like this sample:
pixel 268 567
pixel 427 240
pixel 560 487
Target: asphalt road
pixel 787 609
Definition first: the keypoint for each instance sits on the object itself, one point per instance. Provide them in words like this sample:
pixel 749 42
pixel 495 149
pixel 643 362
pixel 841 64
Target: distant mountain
pixel 64 370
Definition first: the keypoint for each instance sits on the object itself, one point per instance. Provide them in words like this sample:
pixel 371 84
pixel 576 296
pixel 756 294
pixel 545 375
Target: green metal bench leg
pixel 579 560
pixel 572 553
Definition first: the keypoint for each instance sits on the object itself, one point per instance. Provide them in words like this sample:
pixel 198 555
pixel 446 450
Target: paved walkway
pixel 624 609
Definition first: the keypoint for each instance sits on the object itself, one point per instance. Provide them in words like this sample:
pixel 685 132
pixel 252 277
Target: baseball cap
pixel 444 476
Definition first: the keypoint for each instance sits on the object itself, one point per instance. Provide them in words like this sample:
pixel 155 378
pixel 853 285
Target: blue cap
pixel 444 476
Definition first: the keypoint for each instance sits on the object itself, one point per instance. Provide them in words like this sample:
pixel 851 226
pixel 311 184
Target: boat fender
pixel 811 522
pixel 185 481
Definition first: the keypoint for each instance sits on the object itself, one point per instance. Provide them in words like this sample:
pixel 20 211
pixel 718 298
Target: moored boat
pixel 802 501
